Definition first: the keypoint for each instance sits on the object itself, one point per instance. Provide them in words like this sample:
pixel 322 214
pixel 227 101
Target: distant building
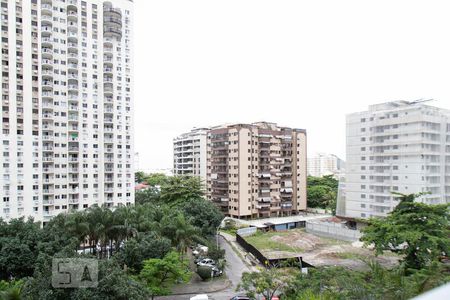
pixel 257 170
pixel 67 106
pixel 189 153
pixel 321 164
pixel 395 147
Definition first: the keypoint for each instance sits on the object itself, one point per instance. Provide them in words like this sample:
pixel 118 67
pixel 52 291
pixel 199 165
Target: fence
pixel 291 261
pixel 332 230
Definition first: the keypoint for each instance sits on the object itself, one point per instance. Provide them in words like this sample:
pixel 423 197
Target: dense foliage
pixel 418 231
pixel 322 192
pixel 376 283
pixel 160 274
pixel 125 239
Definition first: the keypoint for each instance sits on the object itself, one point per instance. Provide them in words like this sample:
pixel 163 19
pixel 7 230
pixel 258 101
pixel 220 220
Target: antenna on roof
pixel 420 101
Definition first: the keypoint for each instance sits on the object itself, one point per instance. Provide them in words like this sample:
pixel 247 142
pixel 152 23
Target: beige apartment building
pixel 257 170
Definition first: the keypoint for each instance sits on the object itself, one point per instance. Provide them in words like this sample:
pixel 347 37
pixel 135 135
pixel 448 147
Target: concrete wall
pixel 332 230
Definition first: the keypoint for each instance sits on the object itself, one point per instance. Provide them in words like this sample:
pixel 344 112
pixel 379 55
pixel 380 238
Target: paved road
pixel 234 269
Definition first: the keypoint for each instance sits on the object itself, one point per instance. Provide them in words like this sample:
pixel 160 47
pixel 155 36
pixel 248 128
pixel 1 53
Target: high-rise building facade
pixel 257 170
pixel 189 153
pixel 67 111
pixel 321 164
pixel 395 147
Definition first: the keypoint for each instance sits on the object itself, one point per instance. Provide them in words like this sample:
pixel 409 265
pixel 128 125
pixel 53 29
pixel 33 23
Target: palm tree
pixel 77 226
pixel 182 232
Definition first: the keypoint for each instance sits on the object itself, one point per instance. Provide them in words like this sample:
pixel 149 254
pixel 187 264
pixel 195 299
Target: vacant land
pixel 317 251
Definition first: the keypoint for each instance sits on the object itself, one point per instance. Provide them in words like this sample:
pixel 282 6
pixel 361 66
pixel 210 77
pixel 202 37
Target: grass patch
pixel 349 255
pixel 262 241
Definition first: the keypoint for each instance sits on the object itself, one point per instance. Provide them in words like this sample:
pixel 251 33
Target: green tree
pixel 322 192
pixel 113 284
pixel 179 189
pixel 18 247
pixel 418 231
pixel 180 230
pixel 11 290
pixel 203 214
pixel 159 275
pixel 267 283
pixel 144 246
pixel 155 179
pixel 150 195
pixel 139 176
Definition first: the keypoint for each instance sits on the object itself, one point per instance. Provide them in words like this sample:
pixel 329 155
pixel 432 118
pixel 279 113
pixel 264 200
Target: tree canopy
pixel 419 232
pixel 322 192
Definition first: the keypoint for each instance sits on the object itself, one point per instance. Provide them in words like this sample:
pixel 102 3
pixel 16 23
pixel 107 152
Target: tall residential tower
pixel 395 147
pixel 257 170
pixel 67 111
pixel 189 153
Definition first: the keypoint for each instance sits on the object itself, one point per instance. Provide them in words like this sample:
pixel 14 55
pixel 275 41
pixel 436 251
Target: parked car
pixel 206 262
pixel 200 297
pixel 216 272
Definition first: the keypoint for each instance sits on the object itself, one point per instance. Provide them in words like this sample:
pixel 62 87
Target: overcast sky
pixel 303 64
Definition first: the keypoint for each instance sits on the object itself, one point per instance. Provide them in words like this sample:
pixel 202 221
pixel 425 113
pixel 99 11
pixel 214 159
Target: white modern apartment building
pixel 321 164
pixel 189 153
pixel 396 146
pixel 67 111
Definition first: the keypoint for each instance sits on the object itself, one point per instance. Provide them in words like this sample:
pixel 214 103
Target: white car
pixel 200 297
pixel 206 262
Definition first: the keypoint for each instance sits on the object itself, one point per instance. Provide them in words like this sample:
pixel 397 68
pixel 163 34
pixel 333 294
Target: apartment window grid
pixel 66 64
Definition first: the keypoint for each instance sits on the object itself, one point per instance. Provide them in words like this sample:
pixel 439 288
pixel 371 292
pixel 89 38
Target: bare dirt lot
pixel 315 250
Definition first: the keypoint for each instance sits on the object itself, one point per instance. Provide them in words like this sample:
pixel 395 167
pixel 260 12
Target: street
pixel 233 270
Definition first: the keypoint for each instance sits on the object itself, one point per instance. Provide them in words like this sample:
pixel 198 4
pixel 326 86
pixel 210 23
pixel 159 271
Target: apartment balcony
pixel 47 63
pixel 46 9
pixel 47 116
pixel 72 16
pixel 48 170
pixel 72 6
pixel 48 148
pixel 74 201
pixel 74 149
pixel 73 159
pixel 73 97
pixel 47 52
pixel 47 105
pixel 73 88
pixel 109 179
pixel 48 202
pixel 108 60
pixel 46 31
pixel 73 108
pixel 108 129
pixel 48 159
pixel 72 57
pixel 108 88
pixel 72 26
pixel 73 67
pixel 73 118
pixel 108 121
pixel 47 127
pixel 108 50
pixel 48 191
pixel 47 85
pixel 46 41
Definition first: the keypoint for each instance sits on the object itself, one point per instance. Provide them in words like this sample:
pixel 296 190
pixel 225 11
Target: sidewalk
pixel 246 257
pixel 202 287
